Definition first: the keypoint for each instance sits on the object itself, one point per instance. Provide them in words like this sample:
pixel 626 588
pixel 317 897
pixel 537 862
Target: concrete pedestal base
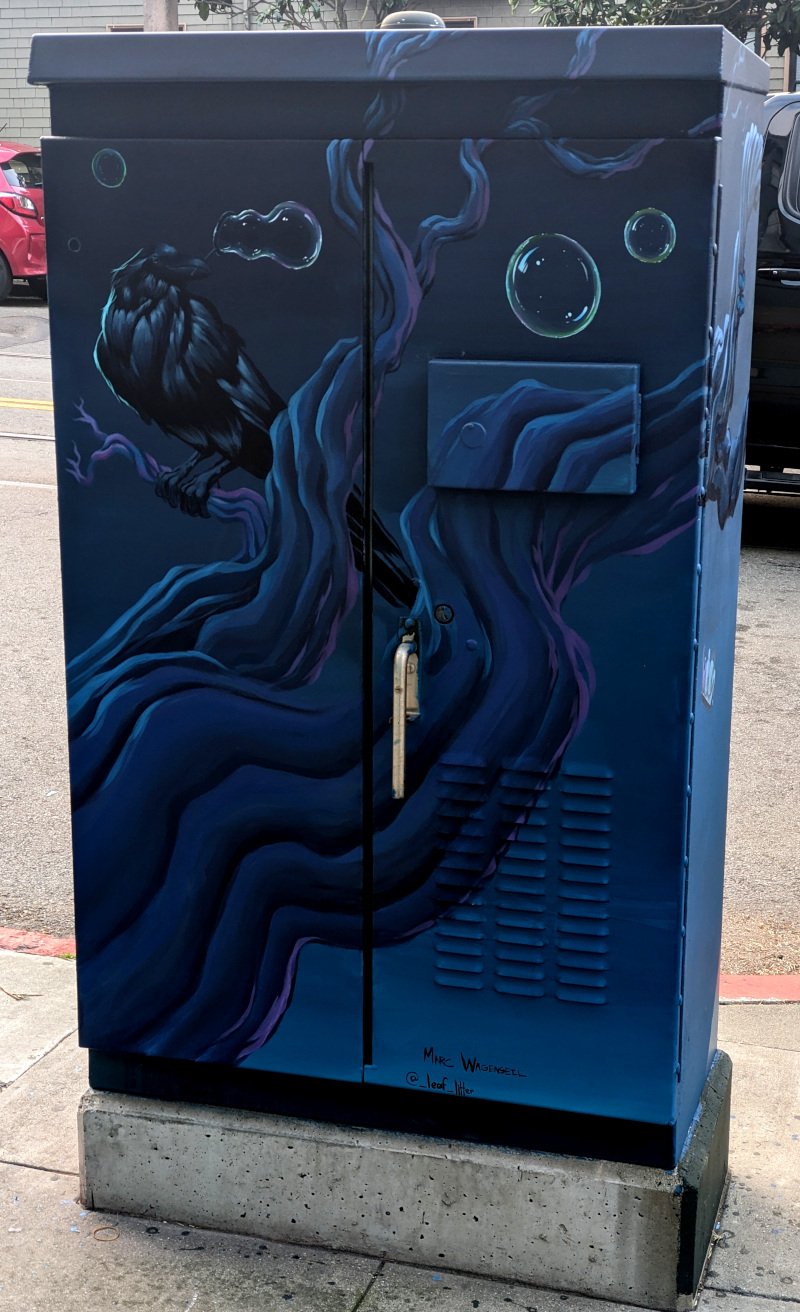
pixel 630 1233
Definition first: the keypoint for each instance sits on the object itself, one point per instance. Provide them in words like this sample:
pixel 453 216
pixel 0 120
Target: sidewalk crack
pixel 768 1047
pixel 29 1166
pixel 9 1084
pixel 360 1300
pixel 751 1293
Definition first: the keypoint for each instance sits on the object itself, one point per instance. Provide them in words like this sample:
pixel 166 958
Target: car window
pixel 776 144
pixel 789 193
pixel 23 171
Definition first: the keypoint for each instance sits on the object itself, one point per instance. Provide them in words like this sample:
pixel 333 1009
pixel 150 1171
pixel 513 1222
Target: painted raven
pixel 168 354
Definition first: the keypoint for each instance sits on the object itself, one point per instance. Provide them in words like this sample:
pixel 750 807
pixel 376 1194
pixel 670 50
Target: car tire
pixel 38 286
pixel 6 280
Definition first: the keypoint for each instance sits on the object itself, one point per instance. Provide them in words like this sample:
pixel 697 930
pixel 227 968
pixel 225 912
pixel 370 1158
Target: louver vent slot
pixel 462 965
pixel 515 902
pixel 520 885
pixel 576 942
pixel 582 786
pixel 570 993
pixel 589 891
pixel 581 910
pixel 457 981
pixel 585 981
pixel 524 853
pixel 519 988
pixel 459 938
pixel 472 862
pixel 577 875
pixel 470 913
pixel 527 937
pixel 581 961
pixel 585 857
pixel 583 841
pixel 582 928
pixel 591 806
pixel 518 970
pixel 582 938
pixel 517 952
pixel 516 920
pixel 577 824
pixel 459 948
pixel 452 929
pixel 453 879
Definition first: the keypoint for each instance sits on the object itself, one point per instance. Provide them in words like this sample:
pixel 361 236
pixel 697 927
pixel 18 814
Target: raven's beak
pixel 196 269
pixel 182 268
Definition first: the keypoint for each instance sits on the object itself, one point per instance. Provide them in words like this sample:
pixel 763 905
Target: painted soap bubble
pixel 650 236
pixel 290 234
pixel 109 168
pixel 553 285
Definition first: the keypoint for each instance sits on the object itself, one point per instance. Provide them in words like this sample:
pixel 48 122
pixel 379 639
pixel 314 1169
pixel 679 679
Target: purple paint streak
pixel 273 1017
pixel 244 506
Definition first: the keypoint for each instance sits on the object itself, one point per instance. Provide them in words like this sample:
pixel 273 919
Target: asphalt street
pixel 762 906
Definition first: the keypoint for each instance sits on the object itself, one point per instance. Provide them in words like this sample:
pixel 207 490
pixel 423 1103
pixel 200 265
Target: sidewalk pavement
pixel 56 1255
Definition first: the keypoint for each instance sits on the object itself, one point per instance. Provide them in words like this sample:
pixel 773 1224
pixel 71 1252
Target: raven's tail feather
pixel 391 576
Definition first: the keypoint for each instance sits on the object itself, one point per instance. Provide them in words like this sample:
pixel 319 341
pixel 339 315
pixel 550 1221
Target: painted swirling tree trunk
pixel 218 818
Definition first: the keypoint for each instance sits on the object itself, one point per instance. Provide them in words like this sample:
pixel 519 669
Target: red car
pixel 22 253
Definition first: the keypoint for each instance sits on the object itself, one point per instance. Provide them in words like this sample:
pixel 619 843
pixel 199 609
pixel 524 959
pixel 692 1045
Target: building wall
pixel 24 109
pixel 24 114
pixel 489 13
pixel 782 71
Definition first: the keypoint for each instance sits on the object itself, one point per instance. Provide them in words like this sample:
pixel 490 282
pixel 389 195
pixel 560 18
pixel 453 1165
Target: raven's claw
pixel 185 489
pixel 168 487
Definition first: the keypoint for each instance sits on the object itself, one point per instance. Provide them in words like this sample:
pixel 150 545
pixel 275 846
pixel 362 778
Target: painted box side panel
pixel 214 657
pixel 719 562
pixel 568 659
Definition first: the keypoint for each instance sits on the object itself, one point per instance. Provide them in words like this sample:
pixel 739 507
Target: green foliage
pixel 302 14
pixel 779 23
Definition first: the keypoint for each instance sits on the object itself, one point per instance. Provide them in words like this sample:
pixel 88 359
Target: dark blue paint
pixel 542 428
pixel 535 919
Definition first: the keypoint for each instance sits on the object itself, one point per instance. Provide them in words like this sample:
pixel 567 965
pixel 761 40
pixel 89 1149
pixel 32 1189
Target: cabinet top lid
pixel 483 54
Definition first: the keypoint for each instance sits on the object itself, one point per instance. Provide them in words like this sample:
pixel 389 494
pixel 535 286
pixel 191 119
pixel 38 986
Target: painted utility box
pixel 400 384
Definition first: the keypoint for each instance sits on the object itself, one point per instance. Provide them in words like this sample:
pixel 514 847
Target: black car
pixel 773 432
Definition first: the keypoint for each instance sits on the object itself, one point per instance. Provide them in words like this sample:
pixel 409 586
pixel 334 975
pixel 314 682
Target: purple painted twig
pixel 248 508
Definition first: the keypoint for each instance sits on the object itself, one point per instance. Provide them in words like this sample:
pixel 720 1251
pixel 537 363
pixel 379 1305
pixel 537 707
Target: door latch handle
pixel 405 707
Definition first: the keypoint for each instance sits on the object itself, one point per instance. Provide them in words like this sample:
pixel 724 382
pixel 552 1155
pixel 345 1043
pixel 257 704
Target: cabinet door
pixel 540 354
pixel 206 308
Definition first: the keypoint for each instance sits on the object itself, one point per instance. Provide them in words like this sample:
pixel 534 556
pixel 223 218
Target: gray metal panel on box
pixel 485 55
pixel 490 426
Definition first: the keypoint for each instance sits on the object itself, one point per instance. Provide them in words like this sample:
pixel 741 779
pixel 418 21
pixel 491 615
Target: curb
pixel 40 945
pixel 759 988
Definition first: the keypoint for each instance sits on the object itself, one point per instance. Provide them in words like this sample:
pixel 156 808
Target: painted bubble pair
pixel 553 284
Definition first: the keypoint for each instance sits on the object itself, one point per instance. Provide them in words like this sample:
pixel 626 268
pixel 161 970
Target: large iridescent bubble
pixel 290 234
pixel 553 285
pixel 109 168
pixel 650 236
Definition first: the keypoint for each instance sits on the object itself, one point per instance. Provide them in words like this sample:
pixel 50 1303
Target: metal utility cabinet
pixel 400 388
